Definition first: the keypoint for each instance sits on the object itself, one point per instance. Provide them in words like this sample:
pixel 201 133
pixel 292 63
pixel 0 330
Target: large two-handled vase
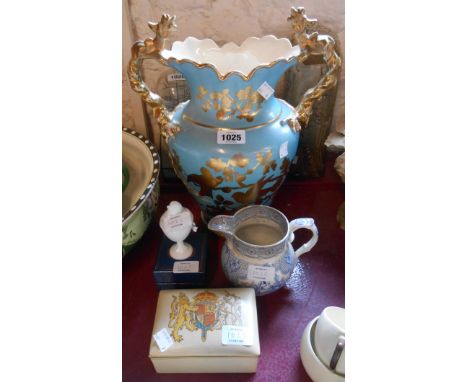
pixel 232 143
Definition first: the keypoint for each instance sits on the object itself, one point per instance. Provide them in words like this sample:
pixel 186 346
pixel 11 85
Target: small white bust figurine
pixel 176 223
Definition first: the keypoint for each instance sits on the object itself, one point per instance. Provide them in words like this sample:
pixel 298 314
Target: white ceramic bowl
pixel 316 370
pixel 330 329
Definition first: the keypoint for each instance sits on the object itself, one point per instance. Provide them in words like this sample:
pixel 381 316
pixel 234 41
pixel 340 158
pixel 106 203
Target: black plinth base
pixel 164 274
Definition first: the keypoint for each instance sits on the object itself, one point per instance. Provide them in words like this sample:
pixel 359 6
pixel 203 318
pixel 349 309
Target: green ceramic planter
pixel 140 186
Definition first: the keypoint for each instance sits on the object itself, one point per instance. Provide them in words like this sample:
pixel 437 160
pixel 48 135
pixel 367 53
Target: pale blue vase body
pixel 224 177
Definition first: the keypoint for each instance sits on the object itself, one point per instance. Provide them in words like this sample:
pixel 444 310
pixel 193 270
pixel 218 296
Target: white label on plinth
pixel 186 266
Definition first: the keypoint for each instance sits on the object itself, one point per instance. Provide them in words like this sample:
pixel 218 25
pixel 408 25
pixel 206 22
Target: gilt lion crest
pixel 206 311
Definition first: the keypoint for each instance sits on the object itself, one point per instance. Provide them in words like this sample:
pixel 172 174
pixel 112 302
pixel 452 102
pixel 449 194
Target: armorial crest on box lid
pixel 210 331
pixel 207 311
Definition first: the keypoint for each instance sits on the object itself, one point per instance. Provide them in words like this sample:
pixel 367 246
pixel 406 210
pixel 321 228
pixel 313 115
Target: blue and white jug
pixel 258 252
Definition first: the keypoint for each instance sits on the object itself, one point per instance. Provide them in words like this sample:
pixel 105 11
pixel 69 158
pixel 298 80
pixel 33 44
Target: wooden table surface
pixel 318 281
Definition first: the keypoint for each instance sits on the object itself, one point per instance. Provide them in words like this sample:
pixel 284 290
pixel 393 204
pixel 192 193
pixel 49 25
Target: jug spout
pixel 222 225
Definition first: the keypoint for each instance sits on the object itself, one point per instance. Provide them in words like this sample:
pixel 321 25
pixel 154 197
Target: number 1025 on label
pixel 231 137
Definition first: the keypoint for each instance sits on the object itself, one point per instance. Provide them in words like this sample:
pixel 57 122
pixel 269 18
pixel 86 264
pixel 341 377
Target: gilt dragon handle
pixel 312 44
pixel 152 48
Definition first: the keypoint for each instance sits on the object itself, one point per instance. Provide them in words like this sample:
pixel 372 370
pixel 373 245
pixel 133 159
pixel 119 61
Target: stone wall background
pixel 233 20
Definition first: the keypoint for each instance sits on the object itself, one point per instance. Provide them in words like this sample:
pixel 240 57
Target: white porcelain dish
pixel 316 370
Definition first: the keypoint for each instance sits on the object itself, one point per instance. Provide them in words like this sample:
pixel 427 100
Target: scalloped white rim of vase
pixel 252 53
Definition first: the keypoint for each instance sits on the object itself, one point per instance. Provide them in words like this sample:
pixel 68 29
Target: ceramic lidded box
pixel 205 331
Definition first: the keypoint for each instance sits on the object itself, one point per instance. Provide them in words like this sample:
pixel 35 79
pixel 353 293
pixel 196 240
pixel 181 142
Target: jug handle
pixel 151 48
pixel 313 44
pixel 309 224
